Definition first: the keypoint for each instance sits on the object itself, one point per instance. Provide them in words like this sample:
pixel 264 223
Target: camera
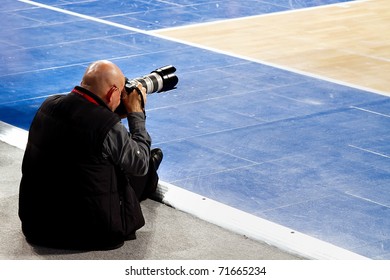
pixel 159 80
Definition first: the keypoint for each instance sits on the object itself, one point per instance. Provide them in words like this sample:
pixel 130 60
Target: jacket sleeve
pixel 129 150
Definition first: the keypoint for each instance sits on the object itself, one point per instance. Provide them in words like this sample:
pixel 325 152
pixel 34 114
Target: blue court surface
pixel 302 152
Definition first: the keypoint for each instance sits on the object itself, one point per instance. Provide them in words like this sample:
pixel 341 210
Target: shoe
pixel 156 156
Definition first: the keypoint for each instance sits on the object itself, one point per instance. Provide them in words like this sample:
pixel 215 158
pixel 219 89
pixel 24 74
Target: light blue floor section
pixel 302 152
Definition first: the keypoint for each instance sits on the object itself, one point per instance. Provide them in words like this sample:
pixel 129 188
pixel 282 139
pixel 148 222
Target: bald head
pixel 101 76
pixel 106 80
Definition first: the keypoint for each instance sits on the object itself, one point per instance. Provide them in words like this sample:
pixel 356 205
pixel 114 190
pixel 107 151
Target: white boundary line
pixel 208 209
pixel 13 135
pixel 369 151
pixel 84 16
pixel 278 66
pixel 371 112
pixel 251 226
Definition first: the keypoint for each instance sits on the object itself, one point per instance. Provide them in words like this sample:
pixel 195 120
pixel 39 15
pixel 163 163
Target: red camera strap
pixel 86 96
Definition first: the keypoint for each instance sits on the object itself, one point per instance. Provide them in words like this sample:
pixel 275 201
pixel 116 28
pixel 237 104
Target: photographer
pixel 84 174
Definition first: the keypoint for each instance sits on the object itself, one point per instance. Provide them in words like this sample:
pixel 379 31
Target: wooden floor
pixel 348 42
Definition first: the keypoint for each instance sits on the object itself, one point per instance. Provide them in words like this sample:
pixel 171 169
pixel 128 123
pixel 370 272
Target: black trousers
pixel 145 185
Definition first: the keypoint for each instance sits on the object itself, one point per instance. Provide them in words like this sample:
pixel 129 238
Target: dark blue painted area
pixel 306 153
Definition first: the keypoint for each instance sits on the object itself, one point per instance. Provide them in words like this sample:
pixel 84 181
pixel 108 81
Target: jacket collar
pixel 91 97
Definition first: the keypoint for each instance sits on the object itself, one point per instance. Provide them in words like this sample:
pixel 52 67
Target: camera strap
pixel 142 99
pixel 86 96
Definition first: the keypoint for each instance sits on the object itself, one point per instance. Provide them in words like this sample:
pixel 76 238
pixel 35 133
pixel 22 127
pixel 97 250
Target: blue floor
pixel 302 152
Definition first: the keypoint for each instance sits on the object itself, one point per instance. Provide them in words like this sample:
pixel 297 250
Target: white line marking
pixel 13 135
pixel 369 111
pixel 369 151
pixel 251 226
pixel 84 16
pixel 31 98
pixel 274 65
pixel 368 200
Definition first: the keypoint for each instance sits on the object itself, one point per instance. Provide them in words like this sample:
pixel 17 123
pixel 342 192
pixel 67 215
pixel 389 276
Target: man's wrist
pixel 136 121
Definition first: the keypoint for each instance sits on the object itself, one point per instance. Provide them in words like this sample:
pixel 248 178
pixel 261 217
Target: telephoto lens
pixel 159 80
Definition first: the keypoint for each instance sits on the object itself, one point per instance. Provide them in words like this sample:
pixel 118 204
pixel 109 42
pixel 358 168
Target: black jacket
pixel 72 193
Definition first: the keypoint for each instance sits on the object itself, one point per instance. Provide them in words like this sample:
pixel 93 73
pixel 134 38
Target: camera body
pixel 159 80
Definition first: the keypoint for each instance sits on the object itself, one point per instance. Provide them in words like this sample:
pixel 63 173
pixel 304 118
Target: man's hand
pixel 133 101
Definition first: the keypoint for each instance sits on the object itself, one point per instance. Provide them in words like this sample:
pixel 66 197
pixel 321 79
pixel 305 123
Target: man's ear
pixel 109 94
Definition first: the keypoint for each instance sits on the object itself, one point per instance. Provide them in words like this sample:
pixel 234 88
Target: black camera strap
pixel 142 99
